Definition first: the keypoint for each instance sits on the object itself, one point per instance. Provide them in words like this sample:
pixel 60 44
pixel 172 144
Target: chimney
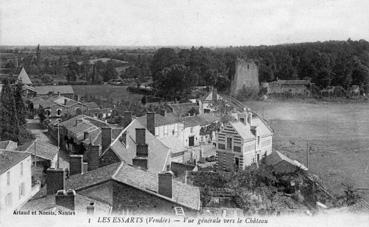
pixel 140 162
pixel 150 122
pixel 76 164
pixel 91 208
pixel 65 198
pixel 165 183
pixel 127 117
pixel 215 94
pixel 55 180
pixel 141 146
pixel 85 135
pixel 105 138
pixel 249 118
pixel 93 157
pixel 80 120
pixel 84 167
pixel 141 149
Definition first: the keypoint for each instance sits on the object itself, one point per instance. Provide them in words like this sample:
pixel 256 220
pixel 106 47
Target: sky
pixel 181 22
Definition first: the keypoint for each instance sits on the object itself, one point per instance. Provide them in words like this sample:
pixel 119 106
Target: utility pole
pixel 57 161
pixel 307 154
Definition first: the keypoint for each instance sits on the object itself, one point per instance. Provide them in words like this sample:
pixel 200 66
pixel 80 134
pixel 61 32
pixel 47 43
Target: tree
pixel 164 57
pixel 19 103
pixel 174 82
pixel 9 123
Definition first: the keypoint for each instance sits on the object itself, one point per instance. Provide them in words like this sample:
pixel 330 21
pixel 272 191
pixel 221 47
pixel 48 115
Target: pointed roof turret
pixel 24 78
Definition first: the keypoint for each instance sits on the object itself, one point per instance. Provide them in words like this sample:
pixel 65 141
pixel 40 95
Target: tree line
pixel 331 63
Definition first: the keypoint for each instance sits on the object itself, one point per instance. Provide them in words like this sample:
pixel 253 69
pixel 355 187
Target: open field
pixel 337 133
pixel 110 92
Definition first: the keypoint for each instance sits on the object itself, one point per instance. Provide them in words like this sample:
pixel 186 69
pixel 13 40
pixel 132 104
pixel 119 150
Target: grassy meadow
pixel 338 134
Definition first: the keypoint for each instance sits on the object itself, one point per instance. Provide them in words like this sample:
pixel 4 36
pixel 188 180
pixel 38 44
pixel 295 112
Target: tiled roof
pixel 160 120
pixel 64 89
pixel 201 120
pixel 81 203
pixel 292 82
pixel 183 108
pixel 97 176
pixel 8 159
pixel 158 152
pixel 262 126
pixel 276 157
pixel 243 130
pixel 183 194
pixel 90 125
pixel 40 149
pixel 8 145
pixel 91 105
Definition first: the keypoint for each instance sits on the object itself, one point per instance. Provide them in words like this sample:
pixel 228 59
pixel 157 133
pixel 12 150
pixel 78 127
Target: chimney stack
pixel 76 164
pixel 150 122
pixel 93 157
pixel 165 183
pixel 55 180
pixel 141 149
pixel 105 138
pixel 215 94
pixel 65 198
pixel 141 146
pixel 91 209
pixel 85 135
pixel 127 118
pixel 249 118
pixel 140 162
pixel 79 121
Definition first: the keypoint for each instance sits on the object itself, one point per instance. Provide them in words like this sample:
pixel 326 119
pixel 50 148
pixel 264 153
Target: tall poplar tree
pixel 9 123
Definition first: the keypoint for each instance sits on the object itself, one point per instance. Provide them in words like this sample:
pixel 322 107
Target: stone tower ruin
pixel 246 76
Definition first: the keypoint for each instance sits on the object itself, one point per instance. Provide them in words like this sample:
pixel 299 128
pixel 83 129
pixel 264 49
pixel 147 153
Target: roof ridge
pixel 117 170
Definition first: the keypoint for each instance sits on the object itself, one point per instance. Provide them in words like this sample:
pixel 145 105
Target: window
pixel 8 178
pixel 191 130
pixel 258 140
pixel 229 143
pixel 58 112
pixel 21 190
pixel 8 199
pixel 237 148
pixel 156 131
pixel 21 168
pixel 242 120
pixel 48 112
pixel 221 146
pixel 165 130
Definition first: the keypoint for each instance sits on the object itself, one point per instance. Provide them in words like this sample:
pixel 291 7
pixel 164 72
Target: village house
pixel 136 145
pixel 206 102
pixel 119 188
pixel 63 90
pixel 43 154
pixel 289 87
pixel 243 141
pixel 182 134
pixel 15 180
pixel 58 106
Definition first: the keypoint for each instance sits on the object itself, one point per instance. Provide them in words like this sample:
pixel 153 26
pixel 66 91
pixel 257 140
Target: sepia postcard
pixel 184 113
